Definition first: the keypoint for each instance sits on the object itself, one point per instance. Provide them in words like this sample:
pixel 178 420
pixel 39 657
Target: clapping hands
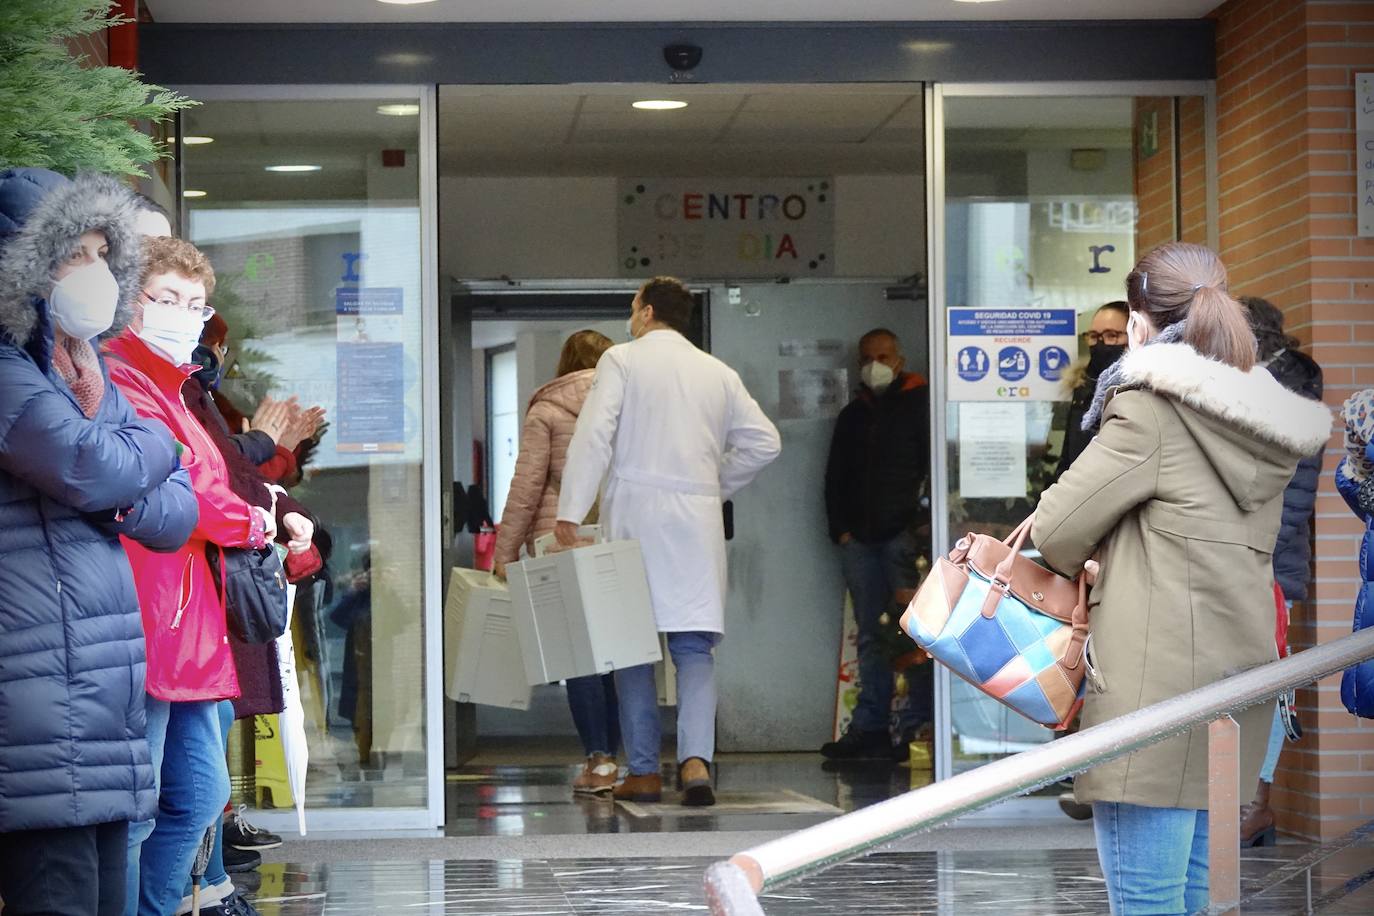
pixel 287 422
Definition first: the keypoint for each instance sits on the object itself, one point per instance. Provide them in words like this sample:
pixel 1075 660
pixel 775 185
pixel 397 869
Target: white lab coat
pixel 673 432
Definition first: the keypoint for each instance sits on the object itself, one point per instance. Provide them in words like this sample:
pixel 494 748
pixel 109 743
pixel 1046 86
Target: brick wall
pixel 1286 181
pixel 95 48
pixel 1152 151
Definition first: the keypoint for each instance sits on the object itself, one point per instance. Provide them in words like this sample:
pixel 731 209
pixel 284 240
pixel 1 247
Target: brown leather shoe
pixel 597 776
pixel 694 779
pixel 647 788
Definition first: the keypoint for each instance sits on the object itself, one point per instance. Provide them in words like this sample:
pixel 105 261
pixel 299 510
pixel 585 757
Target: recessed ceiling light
pixel 400 110
pixel 293 168
pixel 196 141
pixel 404 2
pixel 658 104
pixel 956 1
pixel 190 193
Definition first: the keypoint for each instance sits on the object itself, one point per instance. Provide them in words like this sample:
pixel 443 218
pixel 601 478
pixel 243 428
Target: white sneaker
pixel 209 896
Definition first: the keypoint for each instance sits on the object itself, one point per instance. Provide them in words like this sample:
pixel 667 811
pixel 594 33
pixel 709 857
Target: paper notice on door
pixel 992 450
pixel 812 394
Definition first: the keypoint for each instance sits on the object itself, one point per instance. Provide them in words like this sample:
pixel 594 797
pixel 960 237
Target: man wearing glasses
pixel 1106 341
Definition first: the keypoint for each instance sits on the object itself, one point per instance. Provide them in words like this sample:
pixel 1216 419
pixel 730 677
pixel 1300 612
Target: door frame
pixel 390 821
pixel 935 95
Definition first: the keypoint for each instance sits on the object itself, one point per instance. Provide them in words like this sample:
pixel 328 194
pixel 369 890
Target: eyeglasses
pixel 1108 337
pixel 172 302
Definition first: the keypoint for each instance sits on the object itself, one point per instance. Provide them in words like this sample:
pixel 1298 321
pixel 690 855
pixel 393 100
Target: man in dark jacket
pixel 78 468
pixel 879 461
pixel 1296 371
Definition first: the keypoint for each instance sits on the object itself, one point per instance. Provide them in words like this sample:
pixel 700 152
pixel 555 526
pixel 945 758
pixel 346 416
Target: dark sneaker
pixel 237 861
pixel 233 905
pixel 240 834
pixel 1075 808
pixel 857 745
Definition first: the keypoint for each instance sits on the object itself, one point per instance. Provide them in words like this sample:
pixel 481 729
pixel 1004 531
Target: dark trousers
pixel 69 871
pixel 873 573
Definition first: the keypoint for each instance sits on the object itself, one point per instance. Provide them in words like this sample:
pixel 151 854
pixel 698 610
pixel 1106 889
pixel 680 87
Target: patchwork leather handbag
pixel 1010 627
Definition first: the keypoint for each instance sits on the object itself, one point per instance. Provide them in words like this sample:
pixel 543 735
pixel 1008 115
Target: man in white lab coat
pixel 674 433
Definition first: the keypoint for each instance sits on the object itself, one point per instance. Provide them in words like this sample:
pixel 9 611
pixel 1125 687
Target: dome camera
pixel 682 57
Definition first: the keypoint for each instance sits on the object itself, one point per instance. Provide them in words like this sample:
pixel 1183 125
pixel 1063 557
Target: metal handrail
pixel 732 887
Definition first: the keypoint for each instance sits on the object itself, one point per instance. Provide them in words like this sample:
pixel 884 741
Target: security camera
pixel 682 57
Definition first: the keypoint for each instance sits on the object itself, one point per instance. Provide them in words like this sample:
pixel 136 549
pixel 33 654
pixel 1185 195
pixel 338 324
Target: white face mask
pixel 174 331
pixel 83 302
pixel 877 376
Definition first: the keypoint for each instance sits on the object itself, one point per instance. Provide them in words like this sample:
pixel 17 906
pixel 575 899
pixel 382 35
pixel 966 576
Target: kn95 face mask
pixel 877 376
pixel 83 302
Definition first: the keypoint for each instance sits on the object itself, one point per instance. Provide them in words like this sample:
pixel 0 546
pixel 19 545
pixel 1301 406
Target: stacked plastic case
pixel 482 659
pixel 583 611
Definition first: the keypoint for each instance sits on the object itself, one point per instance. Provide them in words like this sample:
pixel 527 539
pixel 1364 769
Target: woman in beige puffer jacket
pixel 532 510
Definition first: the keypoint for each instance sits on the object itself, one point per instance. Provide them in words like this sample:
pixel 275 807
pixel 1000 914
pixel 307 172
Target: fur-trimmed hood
pixel 48 228
pixel 1250 427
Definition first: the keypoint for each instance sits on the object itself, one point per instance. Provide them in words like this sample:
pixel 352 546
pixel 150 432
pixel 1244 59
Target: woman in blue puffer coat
pixel 77 469
pixel 1355 481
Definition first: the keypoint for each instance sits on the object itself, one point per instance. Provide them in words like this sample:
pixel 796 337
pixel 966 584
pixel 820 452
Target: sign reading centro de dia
pixel 726 227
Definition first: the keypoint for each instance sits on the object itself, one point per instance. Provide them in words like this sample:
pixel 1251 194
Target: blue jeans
pixel 157 713
pixel 194 789
pixel 595 713
pixel 214 869
pixel 1271 754
pixel 1154 859
pixel 873 573
pixel 696 704
pixel 1276 736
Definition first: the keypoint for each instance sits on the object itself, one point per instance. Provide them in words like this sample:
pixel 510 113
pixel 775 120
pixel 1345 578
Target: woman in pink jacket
pixel 190 668
pixel 532 509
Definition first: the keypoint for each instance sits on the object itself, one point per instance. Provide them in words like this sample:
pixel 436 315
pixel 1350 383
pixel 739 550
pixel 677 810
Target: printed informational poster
pixel 726 227
pixel 1364 152
pixel 812 394
pixel 1010 354
pixel 370 358
pixel 992 450
pixel 801 348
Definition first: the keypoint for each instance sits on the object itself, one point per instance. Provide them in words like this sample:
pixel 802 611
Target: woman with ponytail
pixel 1196 444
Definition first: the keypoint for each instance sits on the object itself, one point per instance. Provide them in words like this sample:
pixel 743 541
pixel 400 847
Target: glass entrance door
pixel 315 208
pixel 1045 201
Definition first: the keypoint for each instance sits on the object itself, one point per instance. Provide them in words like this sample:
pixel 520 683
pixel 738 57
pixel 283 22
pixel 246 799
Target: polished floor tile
pixel 1031 882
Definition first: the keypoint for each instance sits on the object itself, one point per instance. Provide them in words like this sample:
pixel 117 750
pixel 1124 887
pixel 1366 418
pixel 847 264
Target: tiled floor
pixel 517 846
pixel 1033 882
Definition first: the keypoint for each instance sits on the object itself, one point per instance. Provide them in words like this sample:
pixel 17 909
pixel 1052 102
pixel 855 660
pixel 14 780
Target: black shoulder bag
pixel 253 585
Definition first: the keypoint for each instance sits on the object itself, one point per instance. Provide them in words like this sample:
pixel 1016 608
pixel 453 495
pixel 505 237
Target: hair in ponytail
pixel 1180 280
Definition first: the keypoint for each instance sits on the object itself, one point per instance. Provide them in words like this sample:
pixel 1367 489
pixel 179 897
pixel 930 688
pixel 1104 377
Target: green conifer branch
pixel 63 115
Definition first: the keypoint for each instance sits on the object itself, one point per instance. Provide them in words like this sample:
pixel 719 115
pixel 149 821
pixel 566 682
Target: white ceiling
pixel 259 11
pixel 594 130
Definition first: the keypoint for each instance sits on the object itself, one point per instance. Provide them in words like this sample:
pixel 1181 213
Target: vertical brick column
pixel 1286 156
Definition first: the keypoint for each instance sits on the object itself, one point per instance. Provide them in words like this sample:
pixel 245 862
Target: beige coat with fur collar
pixel 1180 496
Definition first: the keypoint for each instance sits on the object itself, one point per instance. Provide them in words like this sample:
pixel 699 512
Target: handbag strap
pixel 1000 586
pixel 1073 652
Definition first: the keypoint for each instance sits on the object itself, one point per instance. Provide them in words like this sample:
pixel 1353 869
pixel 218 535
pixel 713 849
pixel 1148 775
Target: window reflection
pixel 320 284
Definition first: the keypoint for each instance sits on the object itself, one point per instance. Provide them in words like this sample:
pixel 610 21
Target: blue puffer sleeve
pixel 256 446
pixel 88 465
pixel 165 518
pixel 1349 488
